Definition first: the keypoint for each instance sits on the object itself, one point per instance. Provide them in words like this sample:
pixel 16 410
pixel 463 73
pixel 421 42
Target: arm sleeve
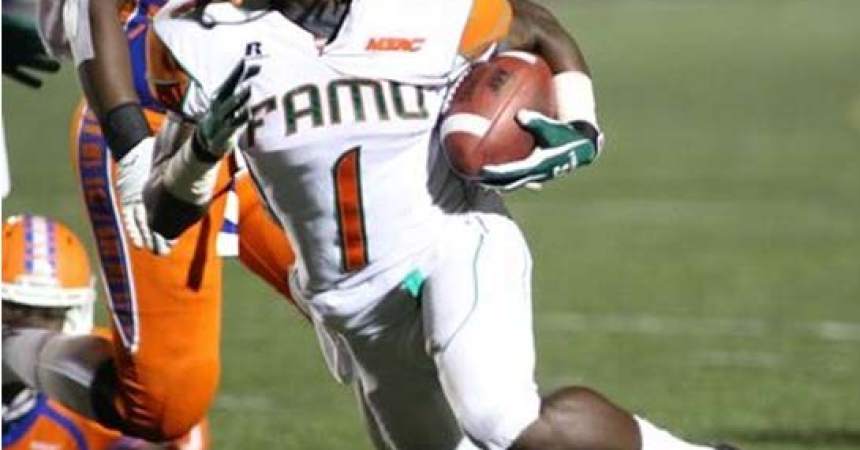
pixel 488 23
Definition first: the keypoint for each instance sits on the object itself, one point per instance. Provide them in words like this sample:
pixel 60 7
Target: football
pixel 480 127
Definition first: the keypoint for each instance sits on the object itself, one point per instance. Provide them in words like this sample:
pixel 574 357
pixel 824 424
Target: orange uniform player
pixel 47 284
pixel 159 375
pixel 166 309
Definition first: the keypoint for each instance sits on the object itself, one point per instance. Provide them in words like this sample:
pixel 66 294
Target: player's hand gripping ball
pixel 501 130
pixel 561 147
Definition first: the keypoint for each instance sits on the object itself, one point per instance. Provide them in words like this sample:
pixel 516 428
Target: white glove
pixel 132 173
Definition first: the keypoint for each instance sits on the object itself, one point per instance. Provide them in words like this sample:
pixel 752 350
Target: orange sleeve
pixel 168 81
pixel 489 22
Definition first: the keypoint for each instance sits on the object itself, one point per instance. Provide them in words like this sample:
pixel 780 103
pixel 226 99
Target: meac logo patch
pixel 394 44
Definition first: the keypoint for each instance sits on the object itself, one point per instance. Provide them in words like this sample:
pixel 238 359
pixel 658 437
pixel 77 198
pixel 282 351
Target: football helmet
pixel 46 266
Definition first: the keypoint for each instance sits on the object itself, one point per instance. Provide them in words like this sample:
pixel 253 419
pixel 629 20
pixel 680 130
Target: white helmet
pixel 45 265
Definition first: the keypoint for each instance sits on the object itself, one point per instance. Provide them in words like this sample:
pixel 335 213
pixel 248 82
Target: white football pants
pixel 456 361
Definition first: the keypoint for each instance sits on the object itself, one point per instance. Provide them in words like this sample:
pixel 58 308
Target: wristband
pixel 574 94
pixel 124 127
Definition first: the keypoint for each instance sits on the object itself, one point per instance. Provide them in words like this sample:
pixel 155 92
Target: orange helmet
pixel 45 265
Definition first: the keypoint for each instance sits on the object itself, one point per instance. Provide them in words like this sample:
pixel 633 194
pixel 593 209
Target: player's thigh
pixel 401 397
pixel 477 312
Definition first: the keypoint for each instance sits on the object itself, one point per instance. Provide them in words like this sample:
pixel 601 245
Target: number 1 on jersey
pixel 350 216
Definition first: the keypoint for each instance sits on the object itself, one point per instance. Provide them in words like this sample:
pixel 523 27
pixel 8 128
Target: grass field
pixel 706 273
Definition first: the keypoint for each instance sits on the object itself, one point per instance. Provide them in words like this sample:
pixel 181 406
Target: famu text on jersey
pixel 357 100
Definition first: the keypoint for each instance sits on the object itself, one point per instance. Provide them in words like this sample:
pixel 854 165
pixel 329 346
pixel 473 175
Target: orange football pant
pixel 166 310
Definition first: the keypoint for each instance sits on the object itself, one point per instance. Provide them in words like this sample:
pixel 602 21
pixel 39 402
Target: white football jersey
pixel 341 142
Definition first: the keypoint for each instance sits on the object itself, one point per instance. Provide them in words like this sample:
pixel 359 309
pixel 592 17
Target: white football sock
pixel 654 438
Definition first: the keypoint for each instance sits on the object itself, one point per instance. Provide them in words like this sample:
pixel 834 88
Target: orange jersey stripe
pixel 350 215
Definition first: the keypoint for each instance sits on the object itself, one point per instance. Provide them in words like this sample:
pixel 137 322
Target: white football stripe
pixel 527 57
pixel 465 123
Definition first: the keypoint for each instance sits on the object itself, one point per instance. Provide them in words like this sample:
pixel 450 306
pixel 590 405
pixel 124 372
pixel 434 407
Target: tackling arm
pixel 91 33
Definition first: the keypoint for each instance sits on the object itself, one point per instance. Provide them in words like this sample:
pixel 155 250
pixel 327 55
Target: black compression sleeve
pixel 168 215
pixel 123 127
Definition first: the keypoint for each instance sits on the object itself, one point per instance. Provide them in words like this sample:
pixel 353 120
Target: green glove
pixel 561 147
pixel 22 48
pixel 227 113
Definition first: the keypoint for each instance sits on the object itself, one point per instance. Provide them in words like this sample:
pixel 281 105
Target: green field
pixel 705 273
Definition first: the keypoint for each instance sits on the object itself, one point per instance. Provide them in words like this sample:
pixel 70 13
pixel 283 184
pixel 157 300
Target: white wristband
pixel 574 95
pixel 190 179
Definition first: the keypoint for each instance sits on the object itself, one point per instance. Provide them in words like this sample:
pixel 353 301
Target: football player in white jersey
pixel 421 279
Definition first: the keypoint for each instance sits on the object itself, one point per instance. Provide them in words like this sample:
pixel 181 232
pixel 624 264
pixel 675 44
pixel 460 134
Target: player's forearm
pixel 535 29
pixel 107 80
pixel 182 182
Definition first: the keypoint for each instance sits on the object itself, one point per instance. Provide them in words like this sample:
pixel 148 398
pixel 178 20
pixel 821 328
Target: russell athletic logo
pixel 395 44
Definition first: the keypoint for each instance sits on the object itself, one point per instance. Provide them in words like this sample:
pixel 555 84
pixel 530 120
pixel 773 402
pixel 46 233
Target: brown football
pixel 479 127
